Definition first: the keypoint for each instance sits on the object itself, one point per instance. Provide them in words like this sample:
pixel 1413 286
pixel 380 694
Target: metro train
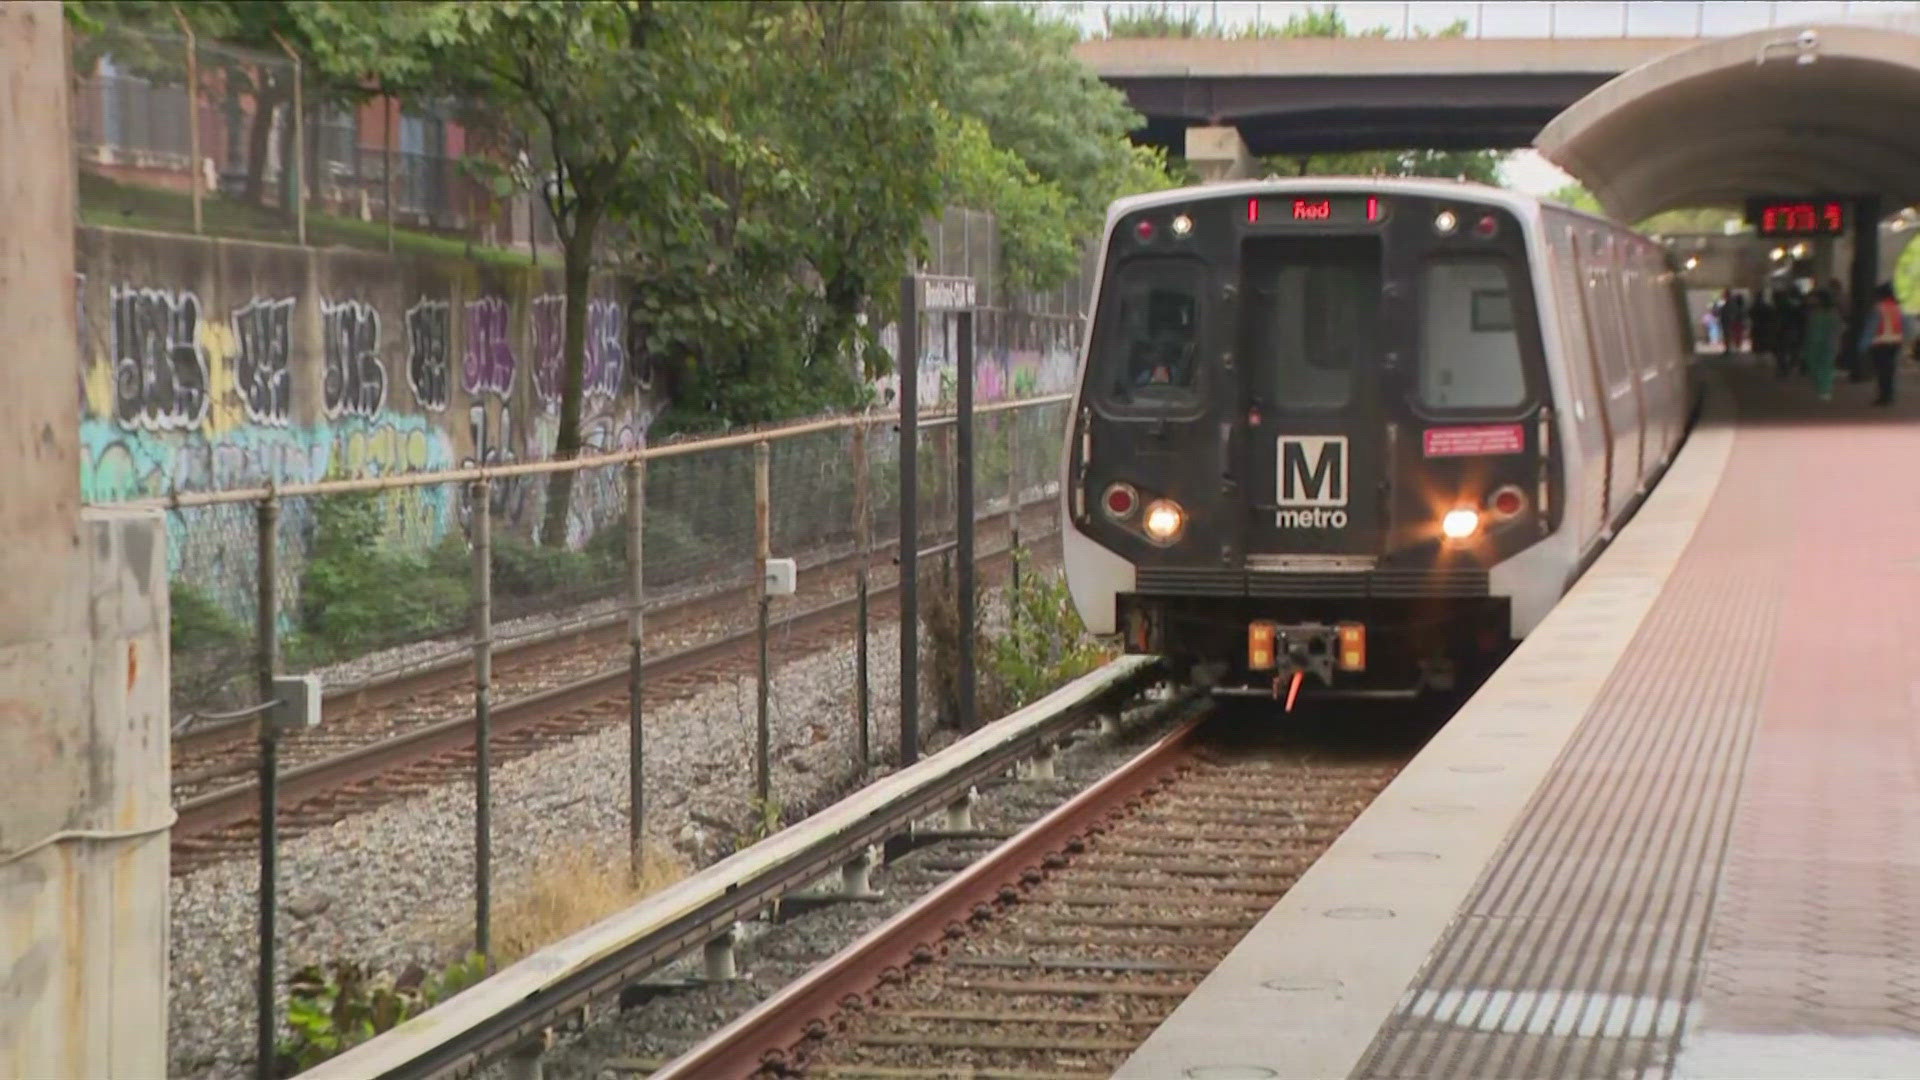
pixel 1356 437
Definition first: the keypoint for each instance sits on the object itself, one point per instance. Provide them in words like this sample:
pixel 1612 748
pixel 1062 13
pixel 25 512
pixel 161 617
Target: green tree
pixel 1039 140
pixel 1578 197
pixel 578 84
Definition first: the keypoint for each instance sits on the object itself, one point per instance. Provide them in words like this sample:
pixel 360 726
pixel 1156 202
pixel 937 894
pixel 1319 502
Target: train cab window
pixel 1150 352
pixel 1312 318
pixel 1469 336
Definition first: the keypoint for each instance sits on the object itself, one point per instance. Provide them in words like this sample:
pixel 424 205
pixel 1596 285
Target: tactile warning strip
pixel 1579 949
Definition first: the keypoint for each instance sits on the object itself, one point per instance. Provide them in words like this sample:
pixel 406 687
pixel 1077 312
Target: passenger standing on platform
pixel 1736 320
pixel 1888 329
pixel 1764 340
pixel 1790 330
pixel 1822 342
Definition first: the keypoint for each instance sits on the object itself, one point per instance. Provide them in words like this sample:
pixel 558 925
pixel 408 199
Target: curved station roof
pixel 1794 111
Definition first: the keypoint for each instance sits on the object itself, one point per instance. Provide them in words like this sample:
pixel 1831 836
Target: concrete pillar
pixel 83 664
pixel 1218 153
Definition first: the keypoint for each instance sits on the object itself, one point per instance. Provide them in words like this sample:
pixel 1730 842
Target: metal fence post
pixel 636 620
pixel 390 114
pixel 299 196
pixel 193 116
pixel 482 717
pixel 963 515
pixel 762 551
pixel 267 662
pixel 863 542
pixel 1013 515
pixel 909 525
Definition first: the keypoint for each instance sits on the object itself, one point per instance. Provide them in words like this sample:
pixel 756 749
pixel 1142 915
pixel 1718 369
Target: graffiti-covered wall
pixel 211 364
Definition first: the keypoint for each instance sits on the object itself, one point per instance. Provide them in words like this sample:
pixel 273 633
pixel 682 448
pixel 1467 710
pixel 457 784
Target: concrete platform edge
pixel 1306 990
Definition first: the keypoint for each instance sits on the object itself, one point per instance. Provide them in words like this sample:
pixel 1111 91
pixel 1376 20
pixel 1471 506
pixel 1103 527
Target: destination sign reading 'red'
pixel 1308 210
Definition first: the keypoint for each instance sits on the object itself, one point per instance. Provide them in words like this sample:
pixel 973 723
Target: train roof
pixel 1522 205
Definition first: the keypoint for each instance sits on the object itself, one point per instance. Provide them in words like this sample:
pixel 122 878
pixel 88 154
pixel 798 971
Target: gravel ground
pixel 382 888
pixel 672 1022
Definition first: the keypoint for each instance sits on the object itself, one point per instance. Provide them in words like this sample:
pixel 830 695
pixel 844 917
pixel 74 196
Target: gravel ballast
pixel 395 886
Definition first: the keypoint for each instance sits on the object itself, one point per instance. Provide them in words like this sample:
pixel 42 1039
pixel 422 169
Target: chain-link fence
pixel 181 133
pixel 376 578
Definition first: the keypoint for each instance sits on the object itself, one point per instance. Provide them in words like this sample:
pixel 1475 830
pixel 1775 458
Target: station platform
pixel 1676 835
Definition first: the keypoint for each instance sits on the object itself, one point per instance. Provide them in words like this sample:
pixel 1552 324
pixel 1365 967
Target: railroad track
pixel 1057 953
pixel 358 776
pixel 215 756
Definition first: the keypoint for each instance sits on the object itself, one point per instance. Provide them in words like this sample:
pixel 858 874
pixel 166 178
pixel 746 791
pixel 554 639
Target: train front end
pixel 1314 417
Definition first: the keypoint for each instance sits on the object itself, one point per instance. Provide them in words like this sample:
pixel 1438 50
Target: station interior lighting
pixel 1693 261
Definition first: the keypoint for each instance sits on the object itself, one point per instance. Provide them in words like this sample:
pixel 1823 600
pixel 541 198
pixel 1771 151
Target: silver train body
pixel 1355 436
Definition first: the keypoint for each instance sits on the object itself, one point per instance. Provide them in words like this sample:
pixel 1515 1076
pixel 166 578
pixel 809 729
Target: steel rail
pixel 523 1000
pixel 240 802
pixel 455 664
pixel 777 1033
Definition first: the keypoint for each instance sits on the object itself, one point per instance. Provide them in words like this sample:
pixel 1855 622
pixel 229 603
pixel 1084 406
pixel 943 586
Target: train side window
pixel 1469 336
pixel 1150 352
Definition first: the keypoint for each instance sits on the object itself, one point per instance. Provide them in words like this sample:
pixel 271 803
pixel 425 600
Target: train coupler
pixel 1317 649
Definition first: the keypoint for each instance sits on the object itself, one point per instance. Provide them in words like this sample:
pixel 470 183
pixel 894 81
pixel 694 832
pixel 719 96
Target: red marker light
pixel 1486 226
pixel 1120 500
pixel 1253 209
pixel 1143 229
pixel 1373 208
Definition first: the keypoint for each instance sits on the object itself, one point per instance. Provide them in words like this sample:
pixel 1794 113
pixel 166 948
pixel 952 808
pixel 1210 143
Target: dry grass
pixel 570 892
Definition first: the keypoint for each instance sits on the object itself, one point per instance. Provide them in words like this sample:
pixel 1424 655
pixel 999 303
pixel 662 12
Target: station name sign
pixel 945 293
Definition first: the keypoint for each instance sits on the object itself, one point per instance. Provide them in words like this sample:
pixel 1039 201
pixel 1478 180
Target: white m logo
pixel 1313 471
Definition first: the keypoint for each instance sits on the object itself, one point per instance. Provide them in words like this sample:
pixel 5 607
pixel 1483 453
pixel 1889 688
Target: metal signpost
pixel 919 295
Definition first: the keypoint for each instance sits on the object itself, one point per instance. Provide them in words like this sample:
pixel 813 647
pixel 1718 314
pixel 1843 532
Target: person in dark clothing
pixel 1888 327
pixel 1790 330
pixel 1736 319
pixel 1765 342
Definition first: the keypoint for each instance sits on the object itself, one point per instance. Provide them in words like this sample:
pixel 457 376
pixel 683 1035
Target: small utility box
pixel 782 577
pixel 298 698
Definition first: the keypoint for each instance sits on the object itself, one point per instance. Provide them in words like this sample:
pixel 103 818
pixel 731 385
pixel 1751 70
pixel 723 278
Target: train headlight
pixel 1445 222
pixel 1164 521
pixel 1460 524
pixel 1182 225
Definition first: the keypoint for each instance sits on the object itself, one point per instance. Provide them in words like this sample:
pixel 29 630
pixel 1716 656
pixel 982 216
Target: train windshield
pixel 1312 318
pixel 1469 345
pixel 1151 346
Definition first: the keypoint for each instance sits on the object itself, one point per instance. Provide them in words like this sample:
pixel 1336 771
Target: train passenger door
pixel 1313 439
pixel 1622 397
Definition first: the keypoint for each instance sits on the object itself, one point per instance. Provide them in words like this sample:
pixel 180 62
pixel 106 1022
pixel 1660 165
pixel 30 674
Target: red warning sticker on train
pixel 1464 441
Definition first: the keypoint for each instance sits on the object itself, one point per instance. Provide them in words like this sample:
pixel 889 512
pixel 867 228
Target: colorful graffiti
pixel 489 363
pixel 604 367
pixel 264 332
pixel 353 380
pixel 1042 359
pixel 160 377
pixel 429 367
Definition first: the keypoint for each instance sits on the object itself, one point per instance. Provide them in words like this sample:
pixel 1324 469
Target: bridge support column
pixel 1218 153
pixel 83 639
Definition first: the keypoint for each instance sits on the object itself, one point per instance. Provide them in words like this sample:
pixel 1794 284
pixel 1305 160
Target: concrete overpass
pixel 1304 95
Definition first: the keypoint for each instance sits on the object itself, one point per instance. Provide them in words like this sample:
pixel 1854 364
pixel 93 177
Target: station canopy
pixel 1786 112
